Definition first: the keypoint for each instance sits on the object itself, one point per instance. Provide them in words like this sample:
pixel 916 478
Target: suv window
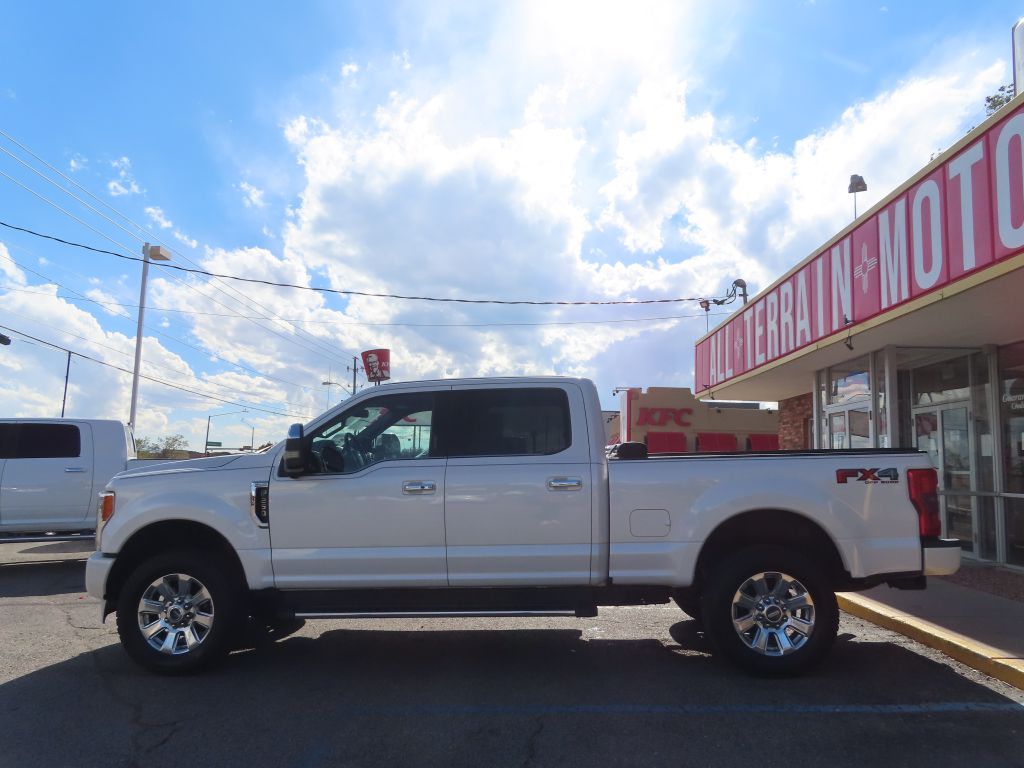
pixel 510 422
pixel 45 441
pixel 381 429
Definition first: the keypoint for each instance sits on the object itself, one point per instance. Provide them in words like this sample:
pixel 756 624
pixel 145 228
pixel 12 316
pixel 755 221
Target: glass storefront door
pixel 944 434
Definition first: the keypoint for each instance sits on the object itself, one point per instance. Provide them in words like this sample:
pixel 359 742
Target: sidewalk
pixel 975 617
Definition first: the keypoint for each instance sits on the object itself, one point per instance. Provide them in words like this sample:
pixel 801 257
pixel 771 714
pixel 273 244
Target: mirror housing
pixel 293 462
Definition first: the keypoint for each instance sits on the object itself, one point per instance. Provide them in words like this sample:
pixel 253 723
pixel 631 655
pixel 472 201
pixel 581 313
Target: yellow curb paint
pixel 984 658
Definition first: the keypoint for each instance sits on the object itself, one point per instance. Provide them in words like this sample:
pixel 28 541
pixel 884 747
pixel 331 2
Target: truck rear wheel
pixel 771 611
pixel 177 612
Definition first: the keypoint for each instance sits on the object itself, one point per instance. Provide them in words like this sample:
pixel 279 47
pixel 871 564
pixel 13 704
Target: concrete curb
pixel 984 658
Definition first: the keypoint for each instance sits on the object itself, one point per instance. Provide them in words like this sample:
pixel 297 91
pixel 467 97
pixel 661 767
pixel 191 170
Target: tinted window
pixel 510 422
pixel 7 441
pixel 47 441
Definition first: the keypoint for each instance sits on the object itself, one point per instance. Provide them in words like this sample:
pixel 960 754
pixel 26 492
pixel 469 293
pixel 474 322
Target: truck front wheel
pixel 770 610
pixel 177 612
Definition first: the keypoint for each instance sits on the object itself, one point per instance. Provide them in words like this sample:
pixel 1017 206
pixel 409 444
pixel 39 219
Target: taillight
pixel 923 485
pixel 106 505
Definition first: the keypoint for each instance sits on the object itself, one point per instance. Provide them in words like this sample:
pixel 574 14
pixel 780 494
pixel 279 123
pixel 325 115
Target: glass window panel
pixel 381 429
pixel 1015 531
pixel 944 382
pixel 838 425
pixel 860 428
pixel 511 422
pixel 983 443
pixel 1011 414
pixel 850 382
pixel 48 441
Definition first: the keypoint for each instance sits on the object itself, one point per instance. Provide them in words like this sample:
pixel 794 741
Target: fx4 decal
pixel 890 475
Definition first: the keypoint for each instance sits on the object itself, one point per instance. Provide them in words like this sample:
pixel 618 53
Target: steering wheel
pixel 332 458
pixel 353 453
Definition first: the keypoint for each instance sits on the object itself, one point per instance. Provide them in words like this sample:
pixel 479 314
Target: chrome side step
pixel 431 614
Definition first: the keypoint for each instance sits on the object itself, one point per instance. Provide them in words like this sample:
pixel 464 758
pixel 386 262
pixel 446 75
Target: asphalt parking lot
pixel 635 686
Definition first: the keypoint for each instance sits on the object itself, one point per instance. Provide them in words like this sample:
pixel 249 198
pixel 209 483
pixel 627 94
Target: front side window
pixel 381 429
pixel 510 422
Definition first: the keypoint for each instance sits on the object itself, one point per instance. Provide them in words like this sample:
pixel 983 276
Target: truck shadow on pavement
pixel 41 578
pixel 473 694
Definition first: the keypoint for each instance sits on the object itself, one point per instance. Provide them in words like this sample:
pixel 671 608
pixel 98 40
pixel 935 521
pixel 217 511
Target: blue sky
pixel 582 151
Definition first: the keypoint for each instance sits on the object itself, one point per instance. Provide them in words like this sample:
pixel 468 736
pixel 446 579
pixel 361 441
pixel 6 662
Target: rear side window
pixel 7 441
pixel 47 441
pixel 510 422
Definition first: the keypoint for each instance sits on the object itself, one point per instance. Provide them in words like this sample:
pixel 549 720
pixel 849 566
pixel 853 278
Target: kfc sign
pixel 964 217
pixel 659 417
pixel 377 364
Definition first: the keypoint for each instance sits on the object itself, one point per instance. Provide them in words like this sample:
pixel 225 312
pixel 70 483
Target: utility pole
pixel 355 369
pixel 67 372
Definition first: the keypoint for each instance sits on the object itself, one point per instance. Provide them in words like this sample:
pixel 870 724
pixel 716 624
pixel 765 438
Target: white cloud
pixel 435 193
pixel 78 163
pixel 347 70
pixel 184 239
pixel 108 303
pixel 157 216
pixel 9 269
pixel 125 183
pixel 253 196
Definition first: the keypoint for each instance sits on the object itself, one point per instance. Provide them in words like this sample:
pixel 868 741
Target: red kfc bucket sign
pixel 377 364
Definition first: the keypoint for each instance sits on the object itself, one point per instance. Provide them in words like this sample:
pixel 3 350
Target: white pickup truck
pixel 52 469
pixel 495 497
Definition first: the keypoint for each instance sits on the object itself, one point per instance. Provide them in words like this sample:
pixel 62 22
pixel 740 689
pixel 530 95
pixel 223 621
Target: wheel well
pixel 168 535
pixel 777 527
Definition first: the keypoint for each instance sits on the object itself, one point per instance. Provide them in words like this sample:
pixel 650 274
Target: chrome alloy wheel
pixel 773 613
pixel 175 614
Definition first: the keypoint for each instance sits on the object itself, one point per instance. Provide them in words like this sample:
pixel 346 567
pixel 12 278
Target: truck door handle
pixel 564 484
pixel 74 469
pixel 415 487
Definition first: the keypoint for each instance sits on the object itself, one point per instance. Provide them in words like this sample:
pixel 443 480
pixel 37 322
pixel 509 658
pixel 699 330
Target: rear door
pixel 518 486
pixel 47 480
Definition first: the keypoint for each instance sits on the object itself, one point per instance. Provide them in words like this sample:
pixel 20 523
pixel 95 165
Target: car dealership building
pixel 906 329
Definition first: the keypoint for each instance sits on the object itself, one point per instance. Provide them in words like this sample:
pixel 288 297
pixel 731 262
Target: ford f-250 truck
pixel 495 497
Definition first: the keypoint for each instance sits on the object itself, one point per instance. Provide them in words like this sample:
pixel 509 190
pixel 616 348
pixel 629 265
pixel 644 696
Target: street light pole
pixel 149 253
pixel 206 442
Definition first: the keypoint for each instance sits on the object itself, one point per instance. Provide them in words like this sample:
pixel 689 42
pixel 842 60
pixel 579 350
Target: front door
pixel 370 510
pixel 518 489
pixel 944 434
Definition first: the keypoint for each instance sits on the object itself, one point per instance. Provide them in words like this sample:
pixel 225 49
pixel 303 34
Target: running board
pixel 431 614
pixel 36 538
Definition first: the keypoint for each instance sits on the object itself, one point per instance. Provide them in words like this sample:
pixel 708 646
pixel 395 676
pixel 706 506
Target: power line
pixel 325 350
pixel 153 378
pixel 117 351
pixel 614 321
pixel 239 366
pixel 244 301
pixel 340 292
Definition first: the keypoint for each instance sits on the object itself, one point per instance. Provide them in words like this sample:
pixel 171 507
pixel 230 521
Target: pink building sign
pixel 964 217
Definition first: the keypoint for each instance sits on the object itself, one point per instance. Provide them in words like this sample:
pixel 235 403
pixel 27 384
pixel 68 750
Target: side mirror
pixel 293 463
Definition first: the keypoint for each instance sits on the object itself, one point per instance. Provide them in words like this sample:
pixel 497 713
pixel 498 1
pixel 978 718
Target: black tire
pixel 771 611
pixel 196 612
pixel 688 600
